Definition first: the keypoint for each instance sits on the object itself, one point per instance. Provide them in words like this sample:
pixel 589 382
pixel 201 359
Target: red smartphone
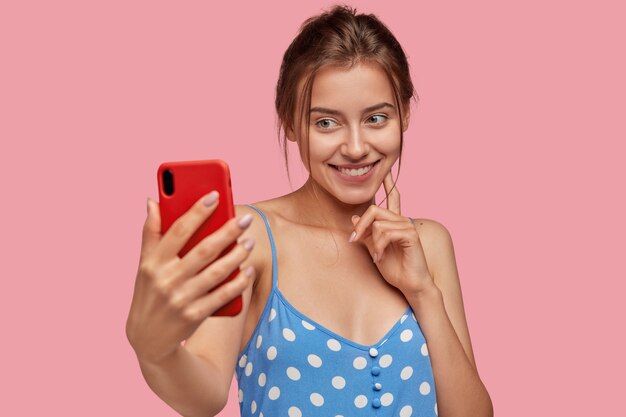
pixel 183 183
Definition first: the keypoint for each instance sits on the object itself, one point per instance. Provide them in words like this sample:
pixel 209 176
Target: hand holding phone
pixel 174 294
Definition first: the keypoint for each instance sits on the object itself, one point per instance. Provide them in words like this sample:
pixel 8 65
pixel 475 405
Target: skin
pixel 391 261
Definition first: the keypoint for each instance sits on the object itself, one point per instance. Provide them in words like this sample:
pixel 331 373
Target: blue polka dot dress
pixel 295 367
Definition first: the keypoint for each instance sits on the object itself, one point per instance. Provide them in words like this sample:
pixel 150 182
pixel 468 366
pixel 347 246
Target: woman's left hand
pixel 394 244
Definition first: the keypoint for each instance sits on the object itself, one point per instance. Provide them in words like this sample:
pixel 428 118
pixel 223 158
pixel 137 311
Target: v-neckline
pixel 335 335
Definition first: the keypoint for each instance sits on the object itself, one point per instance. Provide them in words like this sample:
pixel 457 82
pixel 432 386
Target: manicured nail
pixel 210 198
pixel 375 257
pixel 352 237
pixel 249 270
pixel 248 244
pixel 245 221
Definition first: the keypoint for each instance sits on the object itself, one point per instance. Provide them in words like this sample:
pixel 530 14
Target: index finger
pixel 185 226
pixel 393 195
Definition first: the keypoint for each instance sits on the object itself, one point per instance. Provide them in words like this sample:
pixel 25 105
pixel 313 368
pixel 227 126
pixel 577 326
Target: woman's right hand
pixel 171 296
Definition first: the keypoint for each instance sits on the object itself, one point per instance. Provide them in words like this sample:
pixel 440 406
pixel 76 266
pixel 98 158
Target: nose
pixel 355 145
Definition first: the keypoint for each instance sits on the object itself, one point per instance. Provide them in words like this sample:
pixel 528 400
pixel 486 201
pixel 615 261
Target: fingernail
pixel 210 198
pixel 375 257
pixel 249 270
pixel 245 221
pixel 248 244
pixel 352 237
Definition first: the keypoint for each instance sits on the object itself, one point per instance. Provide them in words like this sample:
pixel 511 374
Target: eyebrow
pixel 338 113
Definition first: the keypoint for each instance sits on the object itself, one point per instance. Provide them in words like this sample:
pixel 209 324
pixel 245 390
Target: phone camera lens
pixel 168 182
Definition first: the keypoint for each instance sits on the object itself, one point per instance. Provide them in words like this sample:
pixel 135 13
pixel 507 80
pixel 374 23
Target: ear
pixel 406 118
pixel 291 137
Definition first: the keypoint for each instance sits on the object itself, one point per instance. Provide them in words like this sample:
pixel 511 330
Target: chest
pixel 334 283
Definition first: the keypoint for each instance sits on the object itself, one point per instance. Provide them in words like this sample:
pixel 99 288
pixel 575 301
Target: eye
pixel 378 118
pixel 325 123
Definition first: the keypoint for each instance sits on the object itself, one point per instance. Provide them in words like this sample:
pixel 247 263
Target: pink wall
pixel 517 146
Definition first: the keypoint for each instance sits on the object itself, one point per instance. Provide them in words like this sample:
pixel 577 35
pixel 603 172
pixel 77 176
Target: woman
pixel 354 309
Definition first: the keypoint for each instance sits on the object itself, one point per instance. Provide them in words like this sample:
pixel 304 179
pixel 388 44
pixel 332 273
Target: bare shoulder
pixel 439 253
pixel 437 244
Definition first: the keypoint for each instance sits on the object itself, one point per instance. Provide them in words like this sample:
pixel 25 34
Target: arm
pixel 171 305
pixel 187 383
pixel 439 311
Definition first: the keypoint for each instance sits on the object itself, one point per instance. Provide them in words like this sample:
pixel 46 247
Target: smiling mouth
pixel 355 172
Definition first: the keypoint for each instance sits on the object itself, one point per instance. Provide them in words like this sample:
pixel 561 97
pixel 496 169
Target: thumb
pixel 151 229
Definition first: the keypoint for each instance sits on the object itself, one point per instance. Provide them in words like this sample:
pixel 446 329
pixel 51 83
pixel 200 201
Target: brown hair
pixel 338 37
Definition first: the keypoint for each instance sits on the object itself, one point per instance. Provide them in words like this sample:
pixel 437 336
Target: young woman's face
pixel 354 123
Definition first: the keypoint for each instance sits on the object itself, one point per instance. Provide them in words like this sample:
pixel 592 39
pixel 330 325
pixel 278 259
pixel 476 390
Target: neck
pixel 319 208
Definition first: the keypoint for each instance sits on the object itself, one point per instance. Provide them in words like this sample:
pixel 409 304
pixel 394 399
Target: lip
pixel 356 166
pixel 360 179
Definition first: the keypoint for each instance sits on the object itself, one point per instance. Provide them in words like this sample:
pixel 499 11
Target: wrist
pixel 424 297
pixel 152 360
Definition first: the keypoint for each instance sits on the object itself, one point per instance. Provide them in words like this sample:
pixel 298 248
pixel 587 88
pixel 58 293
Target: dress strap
pixel 269 233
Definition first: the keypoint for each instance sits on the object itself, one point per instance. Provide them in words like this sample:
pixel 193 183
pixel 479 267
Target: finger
pixel 151 234
pixel 212 246
pixel 372 214
pixel 402 236
pixel 186 225
pixel 204 306
pixel 216 273
pixel 393 195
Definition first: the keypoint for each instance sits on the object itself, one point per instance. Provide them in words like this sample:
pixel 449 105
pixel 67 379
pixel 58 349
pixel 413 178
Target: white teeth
pixel 356 172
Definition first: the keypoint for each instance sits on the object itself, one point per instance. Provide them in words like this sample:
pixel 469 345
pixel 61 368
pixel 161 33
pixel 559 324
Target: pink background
pixel 517 146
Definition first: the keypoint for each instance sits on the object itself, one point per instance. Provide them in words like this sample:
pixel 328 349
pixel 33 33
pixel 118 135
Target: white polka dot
pixel 274 393
pixel 253 407
pixel 424 350
pixel 424 388
pixel 359 363
pixel 249 369
pixel 386 399
pixel 385 361
pixel 360 401
pixel 293 373
pixel 261 415
pixel 407 411
pixel 289 335
pixel 406 373
pixel 338 415
pixel 317 399
pixel 294 412
pixel 333 345
pixel 403 318
pixel 240 396
pixel 272 314
pixel 307 325
pixel 436 412
pixel 259 339
pixel 262 379
pixel 271 353
pixel 242 361
pixel 314 360
pixel 339 382
pixel 406 335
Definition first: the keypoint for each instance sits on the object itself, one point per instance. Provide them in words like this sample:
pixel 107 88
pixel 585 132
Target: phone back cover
pixel 192 180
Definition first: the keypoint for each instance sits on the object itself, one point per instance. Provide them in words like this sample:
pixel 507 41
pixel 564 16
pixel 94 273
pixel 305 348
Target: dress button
pixel 378 386
pixel 376 403
pixel 376 371
pixel 373 352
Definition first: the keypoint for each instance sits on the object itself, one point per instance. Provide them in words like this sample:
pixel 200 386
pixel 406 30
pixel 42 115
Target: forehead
pixel 351 89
